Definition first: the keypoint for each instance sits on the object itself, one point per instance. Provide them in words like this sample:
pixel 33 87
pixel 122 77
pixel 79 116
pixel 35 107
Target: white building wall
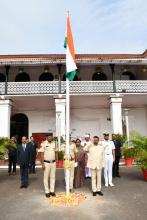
pixel 138 120
pixel 41 121
pixel 92 120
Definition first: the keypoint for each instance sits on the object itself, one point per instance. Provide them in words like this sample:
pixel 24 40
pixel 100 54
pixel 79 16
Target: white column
pixel 60 117
pixel 116 114
pixel 126 111
pixel 5 115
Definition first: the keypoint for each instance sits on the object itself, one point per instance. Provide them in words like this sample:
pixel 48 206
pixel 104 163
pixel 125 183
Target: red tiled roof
pixel 78 56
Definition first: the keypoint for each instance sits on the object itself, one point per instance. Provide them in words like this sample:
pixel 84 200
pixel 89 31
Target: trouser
pixel 71 176
pixel 49 173
pixel 24 175
pixel 96 179
pixel 108 169
pixel 116 166
pixel 12 163
pixel 32 167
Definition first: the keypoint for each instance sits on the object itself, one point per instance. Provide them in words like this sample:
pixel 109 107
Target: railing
pixel 76 87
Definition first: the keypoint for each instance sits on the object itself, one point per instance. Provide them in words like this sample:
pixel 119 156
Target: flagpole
pixel 67 132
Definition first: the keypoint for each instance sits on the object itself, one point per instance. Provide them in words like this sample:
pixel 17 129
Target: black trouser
pixel 24 175
pixel 116 166
pixel 12 162
pixel 32 167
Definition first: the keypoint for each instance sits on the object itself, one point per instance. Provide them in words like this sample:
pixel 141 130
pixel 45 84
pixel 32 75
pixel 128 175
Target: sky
pixel 98 26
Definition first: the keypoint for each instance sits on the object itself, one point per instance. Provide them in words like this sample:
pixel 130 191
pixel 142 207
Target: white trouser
pixel 108 169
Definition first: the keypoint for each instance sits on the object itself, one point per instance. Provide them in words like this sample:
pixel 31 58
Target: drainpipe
pixel 59 74
pixel 113 77
pixel 7 68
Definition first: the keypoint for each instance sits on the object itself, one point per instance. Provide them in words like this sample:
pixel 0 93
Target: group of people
pixel 23 154
pixel 86 158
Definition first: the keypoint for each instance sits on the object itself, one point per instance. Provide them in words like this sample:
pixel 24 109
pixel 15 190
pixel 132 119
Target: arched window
pixel 75 78
pixel 127 75
pixel 19 126
pixel 46 76
pixel 99 76
pixel 2 77
pixel 22 77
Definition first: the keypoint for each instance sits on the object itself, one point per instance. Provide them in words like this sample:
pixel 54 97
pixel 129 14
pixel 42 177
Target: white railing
pixel 76 87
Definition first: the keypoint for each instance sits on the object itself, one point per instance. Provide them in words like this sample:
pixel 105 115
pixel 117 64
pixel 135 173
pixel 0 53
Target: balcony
pixel 76 87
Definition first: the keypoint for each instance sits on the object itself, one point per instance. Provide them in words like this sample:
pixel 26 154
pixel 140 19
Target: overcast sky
pixel 98 26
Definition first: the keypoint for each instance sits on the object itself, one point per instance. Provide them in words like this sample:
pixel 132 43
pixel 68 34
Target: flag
pixel 70 54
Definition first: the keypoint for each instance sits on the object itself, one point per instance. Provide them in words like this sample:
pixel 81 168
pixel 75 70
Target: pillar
pixel 60 118
pixel 116 113
pixel 126 112
pixel 5 115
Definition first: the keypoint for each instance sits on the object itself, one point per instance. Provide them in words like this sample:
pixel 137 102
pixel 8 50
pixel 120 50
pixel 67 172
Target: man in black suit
pixel 33 153
pixel 24 161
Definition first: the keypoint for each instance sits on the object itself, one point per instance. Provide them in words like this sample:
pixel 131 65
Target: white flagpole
pixel 67 132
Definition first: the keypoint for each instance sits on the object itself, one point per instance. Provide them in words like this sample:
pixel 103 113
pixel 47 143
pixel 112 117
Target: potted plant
pixel 141 144
pixel 129 154
pixel 60 154
pixel 5 144
pixel 60 159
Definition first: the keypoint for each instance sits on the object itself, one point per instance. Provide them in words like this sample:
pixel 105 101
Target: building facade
pixel 109 93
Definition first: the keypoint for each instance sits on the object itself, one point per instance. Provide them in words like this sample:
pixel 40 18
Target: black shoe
pixel 52 194
pixel 22 186
pixel 25 186
pixel 47 195
pixel 100 193
pixel 94 193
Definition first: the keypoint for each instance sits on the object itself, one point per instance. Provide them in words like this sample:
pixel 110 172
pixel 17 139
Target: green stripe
pixel 65 42
pixel 71 75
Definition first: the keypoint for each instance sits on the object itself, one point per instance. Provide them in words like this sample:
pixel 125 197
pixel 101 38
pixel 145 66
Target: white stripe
pixel 70 63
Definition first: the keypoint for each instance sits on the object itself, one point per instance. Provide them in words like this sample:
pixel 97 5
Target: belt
pixel 108 154
pixel 47 161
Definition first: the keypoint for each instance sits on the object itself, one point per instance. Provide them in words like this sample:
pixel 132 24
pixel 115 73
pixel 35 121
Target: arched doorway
pixel 127 75
pixel 99 76
pixel 22 77
pixel 46 76
pixel 19 126
pixel 2 77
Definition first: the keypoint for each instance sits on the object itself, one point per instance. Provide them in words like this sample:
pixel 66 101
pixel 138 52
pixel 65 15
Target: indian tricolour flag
pixel 70 74
pixel 70 54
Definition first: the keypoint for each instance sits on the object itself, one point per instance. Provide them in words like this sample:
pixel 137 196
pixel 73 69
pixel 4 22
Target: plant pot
pixel 60 164
pixel 2 162
pixel 144 174
pixel 128 161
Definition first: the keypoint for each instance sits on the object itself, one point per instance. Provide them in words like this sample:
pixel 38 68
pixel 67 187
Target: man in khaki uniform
pixel 72 158
pixel 48 152
pixel 95 163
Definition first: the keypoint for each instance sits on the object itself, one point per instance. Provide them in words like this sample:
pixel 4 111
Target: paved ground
pixel 127 200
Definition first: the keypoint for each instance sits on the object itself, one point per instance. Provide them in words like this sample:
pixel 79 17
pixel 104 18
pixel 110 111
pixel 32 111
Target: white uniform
pixel 87 169
pixel 108 161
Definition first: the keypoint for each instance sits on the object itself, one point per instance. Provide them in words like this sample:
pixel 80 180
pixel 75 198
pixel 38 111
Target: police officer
pixel 109 156
pixel 48 152
pixel 73 163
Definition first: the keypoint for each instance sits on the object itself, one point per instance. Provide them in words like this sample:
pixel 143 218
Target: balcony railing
pixel 76 87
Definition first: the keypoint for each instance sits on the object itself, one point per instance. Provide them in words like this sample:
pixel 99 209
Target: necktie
pixel 24 147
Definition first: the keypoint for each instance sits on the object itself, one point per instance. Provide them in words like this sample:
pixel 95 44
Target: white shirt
pixel 108 147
